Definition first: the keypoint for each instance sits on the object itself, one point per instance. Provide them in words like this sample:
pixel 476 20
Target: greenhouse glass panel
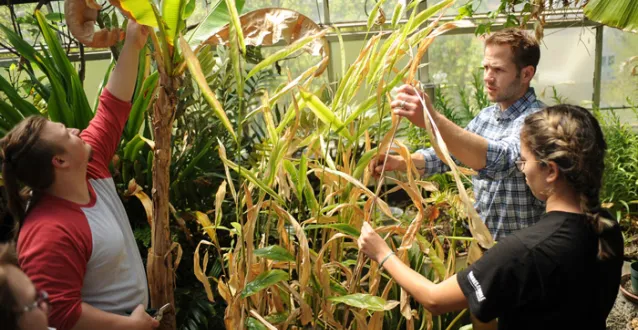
pixel 311 8
pixel 357 10
pixel 567 65
pixel 617 81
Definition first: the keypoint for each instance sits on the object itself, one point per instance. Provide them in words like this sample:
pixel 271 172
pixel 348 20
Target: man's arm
pixel 122 81
pixel 105 130
pixel 95 319
pixel 469 148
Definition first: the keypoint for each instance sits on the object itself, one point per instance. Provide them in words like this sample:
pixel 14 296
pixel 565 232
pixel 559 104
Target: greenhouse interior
pixel 319 164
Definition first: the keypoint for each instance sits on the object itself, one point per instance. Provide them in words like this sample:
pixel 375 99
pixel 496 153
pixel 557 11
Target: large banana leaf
pixel 621 14
pixel 217 18
pixel 173 14
pixel 140 10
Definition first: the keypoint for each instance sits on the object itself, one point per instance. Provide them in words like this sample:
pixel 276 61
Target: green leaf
pixel 362 300
pixel 105 80
pixel 362 163
pixel 274 252
pixel 398 12
pixel 189 9
pixel 248 175
pixel 621 14
pixel 325 114
pixel 183 174
pixel 196 70
pixel 277 317
pixel 54 17
pixel 236 24
pixel 21 108
pixel 217 18
pixel 69 93
pixel 133 147
pixel 342 227
pixel 465 11
pixel 172 11
pixel 374 13
pixel 283 53
pixel 162 36
pixel 263 281
pixel 140 105
pixel 424 15
pixel 254 324
pixel 302 174
pixel 141 11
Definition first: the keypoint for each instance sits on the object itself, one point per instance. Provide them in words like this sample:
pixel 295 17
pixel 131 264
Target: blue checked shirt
pixel 503 200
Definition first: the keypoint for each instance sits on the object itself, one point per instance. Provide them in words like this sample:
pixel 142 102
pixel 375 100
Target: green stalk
pixel 166 54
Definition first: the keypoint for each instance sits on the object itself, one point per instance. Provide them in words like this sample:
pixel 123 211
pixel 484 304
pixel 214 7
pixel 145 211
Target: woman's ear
pixel 552 172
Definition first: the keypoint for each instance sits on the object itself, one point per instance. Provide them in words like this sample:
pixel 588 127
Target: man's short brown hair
pixel 524 46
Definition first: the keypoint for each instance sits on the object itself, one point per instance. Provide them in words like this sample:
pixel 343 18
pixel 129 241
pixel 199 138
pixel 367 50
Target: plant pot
pixel 634 276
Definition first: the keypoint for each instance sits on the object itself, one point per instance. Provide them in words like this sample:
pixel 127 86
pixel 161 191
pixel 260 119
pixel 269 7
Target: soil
pixel 624 314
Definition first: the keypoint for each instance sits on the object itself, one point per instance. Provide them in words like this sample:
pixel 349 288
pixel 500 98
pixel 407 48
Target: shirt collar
pixel 517 107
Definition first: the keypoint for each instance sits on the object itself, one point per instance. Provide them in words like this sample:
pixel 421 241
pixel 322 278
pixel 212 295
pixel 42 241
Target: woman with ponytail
pixel 563 272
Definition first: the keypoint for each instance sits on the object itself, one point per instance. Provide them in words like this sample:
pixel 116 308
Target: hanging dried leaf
pixel 201 273
pixel 268 26
pixel 135 189
pixel 80 16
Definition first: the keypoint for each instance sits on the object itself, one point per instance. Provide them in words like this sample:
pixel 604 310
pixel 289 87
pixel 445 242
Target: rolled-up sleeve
pixel 433 164
pixel 502 154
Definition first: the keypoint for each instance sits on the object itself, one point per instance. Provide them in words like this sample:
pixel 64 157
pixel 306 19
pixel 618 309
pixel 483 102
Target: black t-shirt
pixel 546 276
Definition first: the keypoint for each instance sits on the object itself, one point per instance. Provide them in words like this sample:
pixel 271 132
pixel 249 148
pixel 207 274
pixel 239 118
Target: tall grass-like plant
pixel 294 259
pixel 620 180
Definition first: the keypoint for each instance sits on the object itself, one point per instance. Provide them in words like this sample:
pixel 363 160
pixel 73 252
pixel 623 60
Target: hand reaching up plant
pixel 372 244
pixel 408 104
pixel 136 35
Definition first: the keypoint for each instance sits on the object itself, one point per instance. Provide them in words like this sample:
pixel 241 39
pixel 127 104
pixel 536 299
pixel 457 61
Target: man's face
pixel 501 76
pixel 76 152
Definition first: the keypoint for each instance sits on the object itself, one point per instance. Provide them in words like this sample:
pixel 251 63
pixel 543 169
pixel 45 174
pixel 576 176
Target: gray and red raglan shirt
pixel 86 253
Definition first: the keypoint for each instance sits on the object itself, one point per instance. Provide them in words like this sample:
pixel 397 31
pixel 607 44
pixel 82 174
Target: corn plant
pixel 294 261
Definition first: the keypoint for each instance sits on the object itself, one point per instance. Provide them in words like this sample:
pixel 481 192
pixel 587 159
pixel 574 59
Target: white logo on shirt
pixel 477 287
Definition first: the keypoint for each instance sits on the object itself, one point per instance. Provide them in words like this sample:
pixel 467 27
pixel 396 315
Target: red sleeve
pixel 104 133
pixel 54 255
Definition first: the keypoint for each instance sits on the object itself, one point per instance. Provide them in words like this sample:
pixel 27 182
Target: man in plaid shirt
pixel 490 144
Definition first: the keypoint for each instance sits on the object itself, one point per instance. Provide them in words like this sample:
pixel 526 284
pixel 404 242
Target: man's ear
pixel 552 172
pixel 59 162
pixel 527 73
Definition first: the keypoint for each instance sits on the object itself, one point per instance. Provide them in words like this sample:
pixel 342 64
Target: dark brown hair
pixel 8 315
pixel 570 136
pixel 524 47
pixel 26 161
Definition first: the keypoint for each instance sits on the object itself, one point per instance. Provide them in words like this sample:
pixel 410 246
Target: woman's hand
pixel 372 244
